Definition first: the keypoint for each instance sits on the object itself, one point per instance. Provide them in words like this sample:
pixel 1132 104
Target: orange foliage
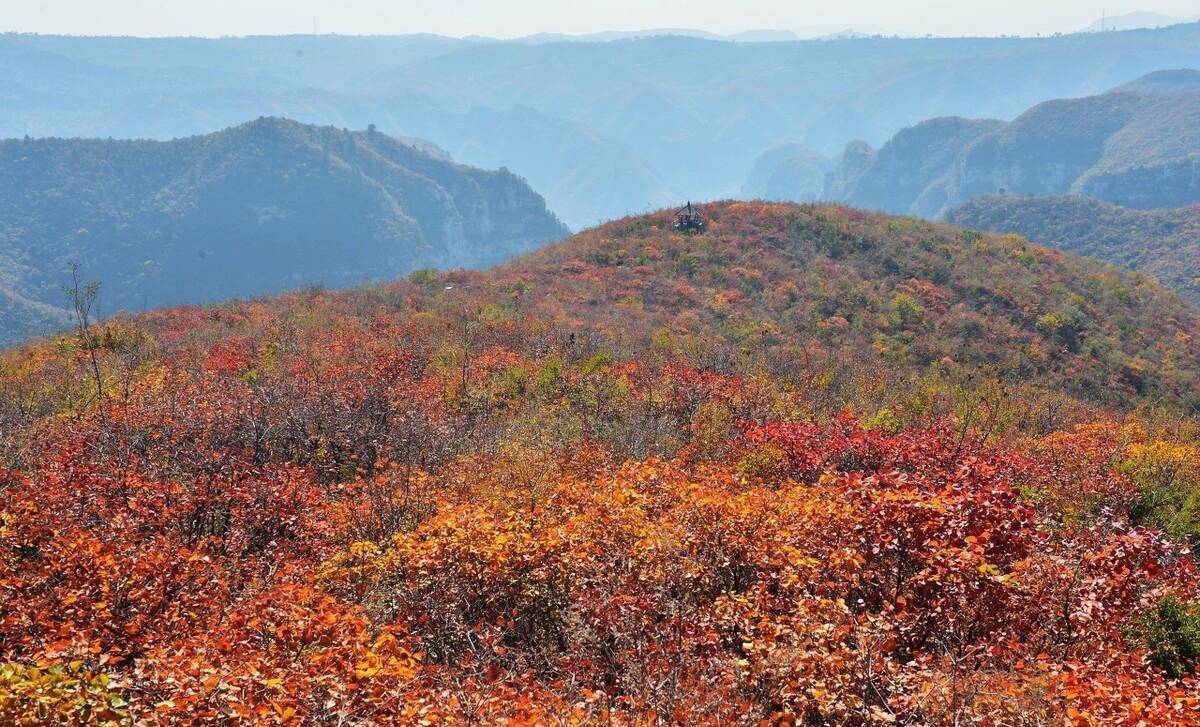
pixel 418 505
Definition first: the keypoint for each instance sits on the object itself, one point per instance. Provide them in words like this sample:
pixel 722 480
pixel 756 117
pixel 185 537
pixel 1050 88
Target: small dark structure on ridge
pixel 689 218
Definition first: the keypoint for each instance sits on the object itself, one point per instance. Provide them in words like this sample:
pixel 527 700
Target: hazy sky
pixel 505 18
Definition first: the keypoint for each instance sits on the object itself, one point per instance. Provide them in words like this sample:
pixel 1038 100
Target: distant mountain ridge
pixel 259 208
pixel 745 36
pixel 754 35
pixel 601 129
pixel 1164 244
pixel 1137 146
pixel 1179 80
pixel 1137 20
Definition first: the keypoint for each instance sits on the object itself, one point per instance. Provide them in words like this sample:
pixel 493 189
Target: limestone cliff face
pixel 904 174
pixel 503 219
pixel 1169 184
pixel 1139 148
pixel 857 160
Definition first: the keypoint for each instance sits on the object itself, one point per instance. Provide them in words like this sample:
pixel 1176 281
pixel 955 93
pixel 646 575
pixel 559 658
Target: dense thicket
pixel 828 287
pixel 623 480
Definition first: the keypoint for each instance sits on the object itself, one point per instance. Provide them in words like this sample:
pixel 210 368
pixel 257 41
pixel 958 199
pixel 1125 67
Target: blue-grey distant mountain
pixel 745 36
pixel 259 208
pixel 906 174
pixel 788 173
pixel 1138 148
pixel 600 128
pixel 1177 80
pixel 1139 19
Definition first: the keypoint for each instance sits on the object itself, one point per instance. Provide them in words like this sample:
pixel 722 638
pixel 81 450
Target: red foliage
pixel 471 499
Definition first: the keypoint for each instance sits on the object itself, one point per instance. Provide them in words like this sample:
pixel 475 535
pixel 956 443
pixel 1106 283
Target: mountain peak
pixel 1132 148
pixel 262 207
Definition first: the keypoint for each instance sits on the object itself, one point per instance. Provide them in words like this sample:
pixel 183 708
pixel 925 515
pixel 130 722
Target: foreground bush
pixel 812 573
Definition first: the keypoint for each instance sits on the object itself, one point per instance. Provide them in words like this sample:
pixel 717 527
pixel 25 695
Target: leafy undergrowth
pixel 455 500
pixel 809 573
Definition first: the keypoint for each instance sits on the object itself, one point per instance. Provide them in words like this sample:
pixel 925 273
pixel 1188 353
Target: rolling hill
pixel 637 477
pixel 258 208
pixel 1180 80
pixel 1135 146
pixel 878 291
pixel 808 291
pixel 1164 244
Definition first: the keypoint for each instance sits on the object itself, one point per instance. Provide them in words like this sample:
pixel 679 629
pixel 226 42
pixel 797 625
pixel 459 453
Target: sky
pixel 511 18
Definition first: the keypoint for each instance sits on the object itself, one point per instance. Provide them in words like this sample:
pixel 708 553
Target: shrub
pixel 1168 487
pixel 59 694
pixel 1171 631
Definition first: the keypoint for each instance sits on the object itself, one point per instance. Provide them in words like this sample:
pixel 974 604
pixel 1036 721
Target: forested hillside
pixel 809 466
pixel 602 129
pixel 907 175
pixel 1135 147
pixel 258 208
pixel 1164 244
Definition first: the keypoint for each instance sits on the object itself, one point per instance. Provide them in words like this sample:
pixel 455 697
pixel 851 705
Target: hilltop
pixel 872 291
pixel 770 472
pixel 805 292
pixel 1134 146
pixel 258 208
pixel 1164 244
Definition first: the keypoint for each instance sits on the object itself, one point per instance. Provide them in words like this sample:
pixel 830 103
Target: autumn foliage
pixel 400 506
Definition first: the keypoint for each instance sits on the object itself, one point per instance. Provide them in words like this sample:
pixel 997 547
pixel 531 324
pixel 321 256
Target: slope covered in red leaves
pixel 637 478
